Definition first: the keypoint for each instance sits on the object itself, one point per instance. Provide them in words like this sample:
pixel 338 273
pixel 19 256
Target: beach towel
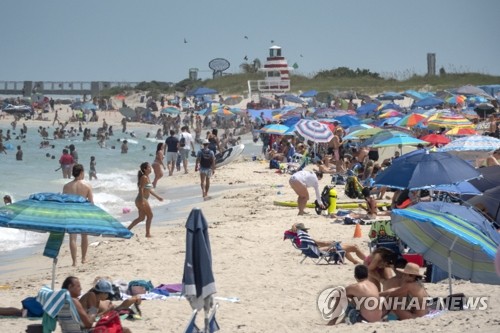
pixel 52 303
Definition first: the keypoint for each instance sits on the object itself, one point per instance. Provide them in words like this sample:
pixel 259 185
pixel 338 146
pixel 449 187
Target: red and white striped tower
pixel 277 71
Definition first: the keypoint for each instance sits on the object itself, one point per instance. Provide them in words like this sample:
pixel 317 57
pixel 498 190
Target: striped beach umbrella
pixel 457 239
pixel 448 121
pixel 411 120
pixel 461 131
pixel 473 142
pixel 314 130
pixel 390 113
pixel 59 214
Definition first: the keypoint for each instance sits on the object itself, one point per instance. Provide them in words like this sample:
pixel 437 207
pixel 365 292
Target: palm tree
pixel 251 68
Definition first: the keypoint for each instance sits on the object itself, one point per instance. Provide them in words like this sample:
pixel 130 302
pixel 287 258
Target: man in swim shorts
pixel 205 160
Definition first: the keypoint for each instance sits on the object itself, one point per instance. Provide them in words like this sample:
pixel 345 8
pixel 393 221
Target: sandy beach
pixel 251 262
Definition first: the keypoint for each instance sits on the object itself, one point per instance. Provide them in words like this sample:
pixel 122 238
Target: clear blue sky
pixel 132 40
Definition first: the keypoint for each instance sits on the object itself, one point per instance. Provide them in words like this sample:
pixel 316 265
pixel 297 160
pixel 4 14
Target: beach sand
pixel 251 262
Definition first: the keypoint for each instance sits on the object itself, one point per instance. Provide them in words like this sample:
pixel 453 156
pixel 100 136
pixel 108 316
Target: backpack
pixel 353 188
pixel 182 141
pixel 206 158
pixel 325 198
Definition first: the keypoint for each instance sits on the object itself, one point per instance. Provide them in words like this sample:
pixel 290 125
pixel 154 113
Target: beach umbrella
pixel 59 214
pixel 491 202
pixel 390 113
pixel 389 96
pixel 448 121
pixel 381 136
pixel 365 133
pixel 292 98
pixel 309 93
pixel 470 114
pixel 457 239
pixel 490 178
pixel 200 91
pixel 461 131
pixel 472 146
pixel 275 129
pixel 198 283
pixel 456 99
pixel 225 113
pixel 127 112
pixel 470 90
pixel 436 139
pixel 386 121
pixel 347 121
pixel 423 169
pixel 411 120
pixel 327 113
pixel 171 110
pixel 88 106
pixel 400 141
pixel 366 109
pixel 461 188
pixel 314 130
pixel 233 100
pixel 485 109
pixel 428 102
pixel 416 95
pixel 357 128
pixel 389 106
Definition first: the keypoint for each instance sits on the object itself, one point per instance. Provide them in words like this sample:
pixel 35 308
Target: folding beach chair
pixel 381 235
pixel 211 324
pixel 310 249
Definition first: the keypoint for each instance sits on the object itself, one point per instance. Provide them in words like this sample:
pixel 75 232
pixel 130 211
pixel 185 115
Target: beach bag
pixel 33 307
pixel 273 164
pixel 109 323
pixel 137 287
pixel 182 141
pixel 353 188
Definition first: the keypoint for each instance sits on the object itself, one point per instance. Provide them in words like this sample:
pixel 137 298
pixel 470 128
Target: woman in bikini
pixel 158 164
pixel 141 201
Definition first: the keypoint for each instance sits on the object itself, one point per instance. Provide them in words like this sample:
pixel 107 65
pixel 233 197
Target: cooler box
pixel 414 258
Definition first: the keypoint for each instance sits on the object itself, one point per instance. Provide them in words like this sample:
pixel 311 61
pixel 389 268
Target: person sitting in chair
pixel 327 246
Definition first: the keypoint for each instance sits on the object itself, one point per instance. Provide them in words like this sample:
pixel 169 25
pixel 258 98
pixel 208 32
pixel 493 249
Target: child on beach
pixel 92 171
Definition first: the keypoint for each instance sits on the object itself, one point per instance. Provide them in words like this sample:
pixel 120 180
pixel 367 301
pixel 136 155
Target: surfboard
pixel 340 205
pixel 155 140
pixel 228 155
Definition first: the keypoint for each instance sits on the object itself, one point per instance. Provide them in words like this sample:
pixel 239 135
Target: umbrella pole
pixel 54 264
pixel 449 265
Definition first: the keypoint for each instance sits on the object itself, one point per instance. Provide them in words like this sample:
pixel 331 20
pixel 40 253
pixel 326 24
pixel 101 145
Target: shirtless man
pixel 79 187
pixel 362 288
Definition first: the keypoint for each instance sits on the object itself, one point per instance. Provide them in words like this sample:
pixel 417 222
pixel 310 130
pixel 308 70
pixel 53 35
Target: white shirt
pixel 188 138
pixel 309 179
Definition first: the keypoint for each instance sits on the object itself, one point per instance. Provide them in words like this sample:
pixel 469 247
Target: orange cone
pixel 357 231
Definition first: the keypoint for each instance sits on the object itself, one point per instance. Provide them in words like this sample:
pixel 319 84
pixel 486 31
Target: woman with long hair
pixel 141 201
pixel 158 164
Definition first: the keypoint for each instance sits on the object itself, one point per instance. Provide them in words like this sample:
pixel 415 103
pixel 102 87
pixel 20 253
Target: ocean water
pixel 115 188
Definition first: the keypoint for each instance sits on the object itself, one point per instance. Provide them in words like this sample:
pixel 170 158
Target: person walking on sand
pixel 185 146
pixel 79 187
pixel 205 162
pixel 141 201
pixel 157 164
pixel 171 147
pixel 300 181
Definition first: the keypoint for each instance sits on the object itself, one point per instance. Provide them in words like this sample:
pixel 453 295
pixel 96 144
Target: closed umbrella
pixel 421 169
pixel 457 239
pixel 59 214
pixel 314 130
pixel 198 283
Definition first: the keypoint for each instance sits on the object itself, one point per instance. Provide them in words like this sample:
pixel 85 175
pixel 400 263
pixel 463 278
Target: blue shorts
pixel 206 171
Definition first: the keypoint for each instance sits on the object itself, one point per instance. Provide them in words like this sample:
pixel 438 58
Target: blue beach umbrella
pixel 88 106
pixel 428 102
pixel 347 121
pixel 366 109
pixel 200 91
pixel 390 96
pixel 59 214
pixel 309 93
pixel 422 169
pixel 275 129
pixel 457 239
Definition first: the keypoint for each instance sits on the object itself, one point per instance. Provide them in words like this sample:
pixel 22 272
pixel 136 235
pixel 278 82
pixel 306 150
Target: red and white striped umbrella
pixel 314 130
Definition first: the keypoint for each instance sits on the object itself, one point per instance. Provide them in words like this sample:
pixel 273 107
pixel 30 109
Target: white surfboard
pixel 130 141
pixel 228 155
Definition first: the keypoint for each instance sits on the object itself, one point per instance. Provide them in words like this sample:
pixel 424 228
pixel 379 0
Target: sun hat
pixel 104 286
pixel 205 142
pixel 411 269
pixel 301 226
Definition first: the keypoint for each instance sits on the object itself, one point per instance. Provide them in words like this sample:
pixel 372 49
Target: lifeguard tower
pixel 277 79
